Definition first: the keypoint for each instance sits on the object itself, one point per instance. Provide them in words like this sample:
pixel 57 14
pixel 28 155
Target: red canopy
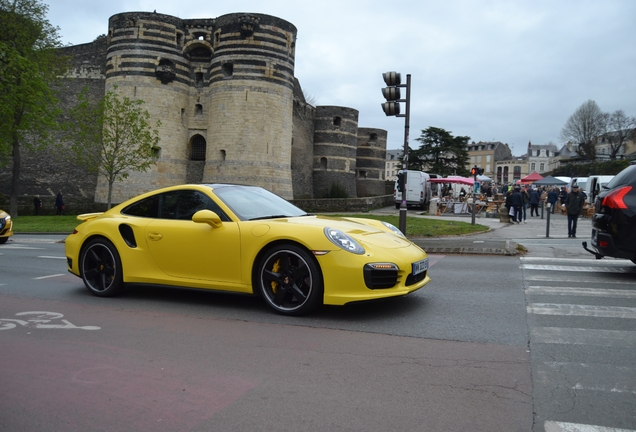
pixel 454 179
pixel 535 176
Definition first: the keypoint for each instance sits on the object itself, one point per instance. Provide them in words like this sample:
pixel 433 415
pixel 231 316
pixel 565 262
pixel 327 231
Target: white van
pixel 595 185
pixel 418 190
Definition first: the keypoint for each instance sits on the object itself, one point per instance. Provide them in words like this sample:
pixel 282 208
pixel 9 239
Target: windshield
pixel 623 177
pixel 251 202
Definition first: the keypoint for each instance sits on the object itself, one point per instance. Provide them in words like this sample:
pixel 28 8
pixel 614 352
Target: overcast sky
pixel 509 71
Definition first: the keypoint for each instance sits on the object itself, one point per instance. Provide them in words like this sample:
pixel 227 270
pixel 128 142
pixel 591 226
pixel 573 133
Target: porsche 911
pixel 243 239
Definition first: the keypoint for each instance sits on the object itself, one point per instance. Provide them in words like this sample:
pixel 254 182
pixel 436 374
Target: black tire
pixel 100 267
pixel 397 205
pixel 3 240
pixel 289 280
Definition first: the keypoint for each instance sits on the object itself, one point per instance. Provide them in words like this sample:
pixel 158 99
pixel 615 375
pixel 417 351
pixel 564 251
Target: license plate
pixel 420 266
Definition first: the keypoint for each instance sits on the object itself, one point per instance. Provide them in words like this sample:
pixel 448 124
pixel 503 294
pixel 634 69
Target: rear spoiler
pixel 88 216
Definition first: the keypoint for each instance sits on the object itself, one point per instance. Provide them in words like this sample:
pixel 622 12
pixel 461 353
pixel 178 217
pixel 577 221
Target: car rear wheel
pixel 289 280
pixel 100 267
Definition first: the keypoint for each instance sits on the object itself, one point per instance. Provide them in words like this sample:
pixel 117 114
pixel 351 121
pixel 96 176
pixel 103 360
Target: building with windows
pixel 393 164
pixel 485 154
pixel 539 156
pixel 509 170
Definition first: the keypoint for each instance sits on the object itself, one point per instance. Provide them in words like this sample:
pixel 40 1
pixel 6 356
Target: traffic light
pixel 391 93
pixel 400 182
pixel 474 171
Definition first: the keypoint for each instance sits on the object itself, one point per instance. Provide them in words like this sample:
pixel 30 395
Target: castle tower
pixel 335 148
pixel 250 102
pixel 371 160
pixel 223 90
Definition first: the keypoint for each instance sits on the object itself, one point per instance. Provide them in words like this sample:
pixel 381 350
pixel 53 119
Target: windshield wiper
pixel 269 217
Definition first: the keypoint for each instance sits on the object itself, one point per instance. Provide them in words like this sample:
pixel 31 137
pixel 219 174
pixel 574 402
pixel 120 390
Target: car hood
pixel 365 231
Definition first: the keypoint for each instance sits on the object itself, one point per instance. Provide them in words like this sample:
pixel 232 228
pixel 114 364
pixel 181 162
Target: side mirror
pixel 207 217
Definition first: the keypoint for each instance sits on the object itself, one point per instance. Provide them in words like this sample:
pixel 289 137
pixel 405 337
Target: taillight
pixel 615 200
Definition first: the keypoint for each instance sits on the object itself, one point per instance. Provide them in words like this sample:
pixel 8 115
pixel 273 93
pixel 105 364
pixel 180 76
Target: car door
pixel 189 250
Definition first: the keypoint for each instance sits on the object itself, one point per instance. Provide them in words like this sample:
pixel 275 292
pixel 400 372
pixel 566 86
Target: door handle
pixel 155 236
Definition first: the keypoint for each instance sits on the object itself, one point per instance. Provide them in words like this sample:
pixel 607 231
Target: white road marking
pixel 582 310
pixel 52 257
pixel 586 292
pixel 605 262
pixel 580 269
pixel 566 278
pixel 41 320
pixel 50 276
pixel 21 247
pixel 582 336
pixel 551 426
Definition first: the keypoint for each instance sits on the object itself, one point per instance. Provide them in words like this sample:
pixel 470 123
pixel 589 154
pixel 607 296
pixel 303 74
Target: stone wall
pixel 302 146
pixel 370 161
pixel 335 146
pixel 333 205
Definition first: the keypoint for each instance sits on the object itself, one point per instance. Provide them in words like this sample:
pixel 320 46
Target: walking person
pixel 508 205
pixel 59 203
pixel 574 205
pixel 526 202
pixel 516 200
pixel 534 202
pixel 37 204
pixel 553 197
pixel 563 195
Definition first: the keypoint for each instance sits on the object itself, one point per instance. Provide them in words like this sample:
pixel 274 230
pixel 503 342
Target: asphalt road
pixel 541 340
pixel 451 357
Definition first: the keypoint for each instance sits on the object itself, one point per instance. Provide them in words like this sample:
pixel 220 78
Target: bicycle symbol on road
pixel 41 320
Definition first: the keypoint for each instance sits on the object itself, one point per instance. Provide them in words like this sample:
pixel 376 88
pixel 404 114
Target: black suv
pixel 614 221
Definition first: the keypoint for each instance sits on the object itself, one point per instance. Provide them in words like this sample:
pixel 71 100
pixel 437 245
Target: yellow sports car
pixel 6 226
pixel 243 239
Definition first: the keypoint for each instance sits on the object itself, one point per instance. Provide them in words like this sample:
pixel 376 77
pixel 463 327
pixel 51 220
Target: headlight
pixel 7 219
pixel 393 228
pixel 342 240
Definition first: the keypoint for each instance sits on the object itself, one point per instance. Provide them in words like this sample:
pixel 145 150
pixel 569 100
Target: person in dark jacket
pixel 516 200
pixel 534 202
pixel 37 204
pixel 553 197
pixel 574 205
pixel 508 205
pixel 563 194
pixel 59 203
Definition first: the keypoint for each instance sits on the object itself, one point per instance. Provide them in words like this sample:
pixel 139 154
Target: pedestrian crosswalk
pixel 582 330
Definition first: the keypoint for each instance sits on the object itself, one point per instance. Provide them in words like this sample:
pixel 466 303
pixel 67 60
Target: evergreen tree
pixel 441 153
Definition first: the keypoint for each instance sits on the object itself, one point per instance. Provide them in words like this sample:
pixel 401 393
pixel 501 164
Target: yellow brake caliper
pixel 275 269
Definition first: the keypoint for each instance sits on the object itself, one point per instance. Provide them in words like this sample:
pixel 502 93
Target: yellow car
pixel 243 239
pixel 6 227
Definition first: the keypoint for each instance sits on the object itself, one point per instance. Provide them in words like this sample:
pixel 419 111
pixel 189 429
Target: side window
pixel 148 207
pixel 181 205
pixel 191 202
pixel 168 205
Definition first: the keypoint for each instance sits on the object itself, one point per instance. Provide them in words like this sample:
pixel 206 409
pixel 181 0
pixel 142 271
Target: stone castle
pixel 231 111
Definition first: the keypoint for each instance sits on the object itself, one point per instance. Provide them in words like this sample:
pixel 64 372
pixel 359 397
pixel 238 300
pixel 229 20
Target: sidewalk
pixel 499 239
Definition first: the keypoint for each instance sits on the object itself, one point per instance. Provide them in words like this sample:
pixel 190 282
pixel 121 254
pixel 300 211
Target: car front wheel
pixel 100 267
pixel 289 280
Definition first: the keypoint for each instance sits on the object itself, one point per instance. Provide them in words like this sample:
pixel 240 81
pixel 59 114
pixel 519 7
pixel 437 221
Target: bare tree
pixel 619 129
pixel 584 127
